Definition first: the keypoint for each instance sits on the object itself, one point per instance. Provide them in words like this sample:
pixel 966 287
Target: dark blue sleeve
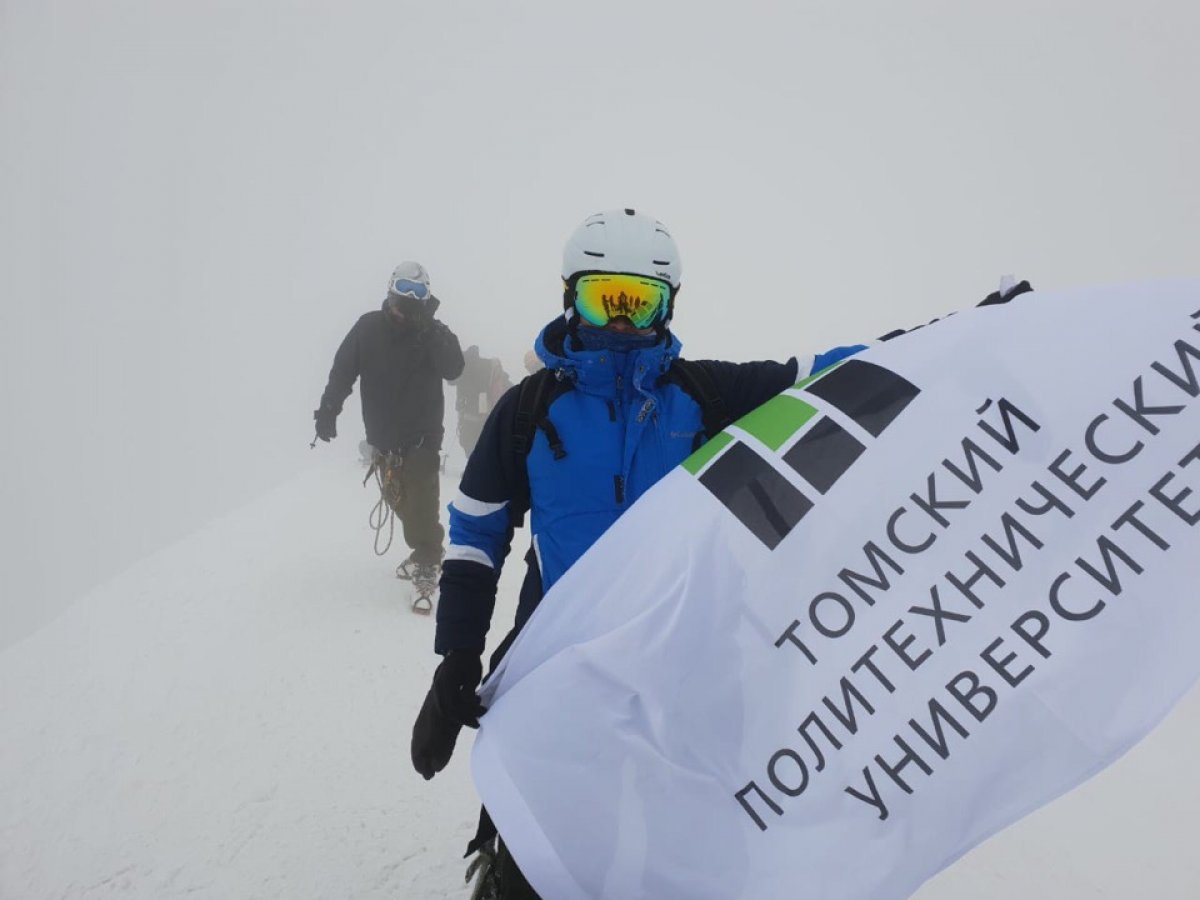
pixel 491 502
pixel 746 386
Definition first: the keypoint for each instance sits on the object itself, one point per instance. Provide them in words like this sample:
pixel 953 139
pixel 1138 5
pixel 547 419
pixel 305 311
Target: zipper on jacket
pixel 645 410
pixel 612 411
pixel 619 488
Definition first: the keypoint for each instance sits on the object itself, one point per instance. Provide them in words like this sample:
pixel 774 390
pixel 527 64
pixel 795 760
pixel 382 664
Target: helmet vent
pixel 628 211
pixel 661 262
pixel 593 253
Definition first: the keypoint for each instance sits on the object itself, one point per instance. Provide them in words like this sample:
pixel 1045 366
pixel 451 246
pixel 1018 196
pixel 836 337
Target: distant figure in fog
pixel 533 362
pixel 402 354
pixel 483 381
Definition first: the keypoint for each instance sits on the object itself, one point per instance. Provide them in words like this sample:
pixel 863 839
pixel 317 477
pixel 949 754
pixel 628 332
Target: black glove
pixel 433 739
pixel 431 331
pixel 454 685
pixel 326 420
pixel 1006 293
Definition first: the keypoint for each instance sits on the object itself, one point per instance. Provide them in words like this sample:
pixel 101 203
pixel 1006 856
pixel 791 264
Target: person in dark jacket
pixel 401 354
pixel 482 383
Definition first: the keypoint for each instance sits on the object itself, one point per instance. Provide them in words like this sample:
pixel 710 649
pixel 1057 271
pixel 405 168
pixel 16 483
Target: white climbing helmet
pixel 622 240
pixel 625 243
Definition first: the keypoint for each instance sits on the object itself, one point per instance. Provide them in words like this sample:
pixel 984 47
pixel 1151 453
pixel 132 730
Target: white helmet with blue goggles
pixel 409 279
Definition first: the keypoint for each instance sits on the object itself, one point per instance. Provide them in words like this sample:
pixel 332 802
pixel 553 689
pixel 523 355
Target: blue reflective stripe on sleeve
pixel 486 534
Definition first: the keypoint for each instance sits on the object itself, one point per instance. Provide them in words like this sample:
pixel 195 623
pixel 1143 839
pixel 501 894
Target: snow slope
pixel 230 719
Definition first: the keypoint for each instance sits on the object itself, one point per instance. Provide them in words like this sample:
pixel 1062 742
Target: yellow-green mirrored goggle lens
pixel 604 296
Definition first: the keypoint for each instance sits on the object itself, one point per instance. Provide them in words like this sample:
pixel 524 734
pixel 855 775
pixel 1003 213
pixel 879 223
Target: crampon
pixel 424 578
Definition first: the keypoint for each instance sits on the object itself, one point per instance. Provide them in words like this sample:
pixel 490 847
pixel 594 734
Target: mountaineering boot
pixel 483 870
pixel 425 584
pixel 404 571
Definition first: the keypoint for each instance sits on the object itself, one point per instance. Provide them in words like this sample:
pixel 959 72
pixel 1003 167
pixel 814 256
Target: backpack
pixel 539 390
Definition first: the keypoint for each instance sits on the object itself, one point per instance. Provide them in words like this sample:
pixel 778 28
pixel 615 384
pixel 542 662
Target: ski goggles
pixel 601 297
pixel 404 287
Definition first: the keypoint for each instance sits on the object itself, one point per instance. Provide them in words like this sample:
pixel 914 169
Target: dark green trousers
pixel 411 484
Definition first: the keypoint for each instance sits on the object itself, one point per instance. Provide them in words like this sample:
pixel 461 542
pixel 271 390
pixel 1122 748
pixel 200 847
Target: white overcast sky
pixel 198 197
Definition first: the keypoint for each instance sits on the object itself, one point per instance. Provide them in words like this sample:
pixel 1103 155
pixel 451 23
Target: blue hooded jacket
pixel 622 426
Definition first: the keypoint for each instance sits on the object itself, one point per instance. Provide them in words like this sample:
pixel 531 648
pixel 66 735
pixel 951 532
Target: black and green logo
pixel 812 444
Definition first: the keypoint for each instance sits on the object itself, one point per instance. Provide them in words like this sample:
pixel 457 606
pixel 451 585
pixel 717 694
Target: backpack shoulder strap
pixel 697 382
pixel 535 394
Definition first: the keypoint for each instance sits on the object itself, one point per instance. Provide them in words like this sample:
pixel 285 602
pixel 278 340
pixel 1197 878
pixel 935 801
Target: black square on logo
pixel 823 454
pixel 761 498
pixel 869 394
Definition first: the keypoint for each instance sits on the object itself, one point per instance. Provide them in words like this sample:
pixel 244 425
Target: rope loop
pixel 383 513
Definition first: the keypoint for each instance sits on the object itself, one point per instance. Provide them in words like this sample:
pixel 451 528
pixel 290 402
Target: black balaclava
pixel 614 341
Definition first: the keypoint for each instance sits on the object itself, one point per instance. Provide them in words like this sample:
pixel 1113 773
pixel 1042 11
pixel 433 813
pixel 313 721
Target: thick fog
pixel 198 199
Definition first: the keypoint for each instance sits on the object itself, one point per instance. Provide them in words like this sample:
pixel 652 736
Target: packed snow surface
pixel 230 718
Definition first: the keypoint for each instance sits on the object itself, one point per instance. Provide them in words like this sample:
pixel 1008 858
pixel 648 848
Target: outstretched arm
pixel 745 386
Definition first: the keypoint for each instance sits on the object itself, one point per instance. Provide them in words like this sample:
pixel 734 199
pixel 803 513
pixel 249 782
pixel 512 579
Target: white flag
pixel 883 616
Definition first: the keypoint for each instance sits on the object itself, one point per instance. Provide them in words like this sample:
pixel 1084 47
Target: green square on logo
pixel 777 420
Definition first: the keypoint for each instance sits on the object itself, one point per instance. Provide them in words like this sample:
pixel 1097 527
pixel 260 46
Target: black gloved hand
pixel 433 739
pixel 326 420
pixel 1008 290
pixel 430 330
pixel 454 685
pixel 1006 293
